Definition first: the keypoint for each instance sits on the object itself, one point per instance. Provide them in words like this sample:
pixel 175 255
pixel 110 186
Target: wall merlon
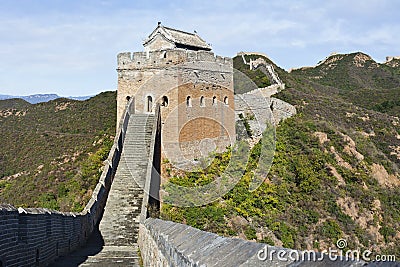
pixel 33 211
pixel 97 191
pixel 205 56
pixel 222 60
pixel 89 206
pixel 5 208
pixel 124 57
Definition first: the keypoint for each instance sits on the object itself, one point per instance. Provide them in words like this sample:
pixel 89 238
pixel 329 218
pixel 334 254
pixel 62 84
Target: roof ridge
pixel 179 37
pixel 169 28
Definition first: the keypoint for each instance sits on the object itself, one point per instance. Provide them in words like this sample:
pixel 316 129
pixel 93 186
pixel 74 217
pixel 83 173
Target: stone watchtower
pixel 194 87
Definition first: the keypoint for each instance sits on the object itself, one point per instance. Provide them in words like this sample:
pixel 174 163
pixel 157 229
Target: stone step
pixel 136 147
pixel 105 262
pixel 116 243
pixel 122 212
pixel 114 256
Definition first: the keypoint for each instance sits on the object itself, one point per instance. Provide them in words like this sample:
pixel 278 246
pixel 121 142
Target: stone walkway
pixel 115 241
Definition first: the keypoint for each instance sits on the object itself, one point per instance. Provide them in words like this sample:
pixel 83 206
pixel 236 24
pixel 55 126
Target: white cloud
pixel 75 47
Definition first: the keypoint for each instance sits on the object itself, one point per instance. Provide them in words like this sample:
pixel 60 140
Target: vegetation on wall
pixel 335 172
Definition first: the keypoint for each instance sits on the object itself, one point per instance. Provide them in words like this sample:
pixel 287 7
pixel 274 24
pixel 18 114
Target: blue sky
pixel 69 47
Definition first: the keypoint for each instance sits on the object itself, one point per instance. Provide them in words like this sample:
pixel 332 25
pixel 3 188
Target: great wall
pixel 116 222
pixel 121 217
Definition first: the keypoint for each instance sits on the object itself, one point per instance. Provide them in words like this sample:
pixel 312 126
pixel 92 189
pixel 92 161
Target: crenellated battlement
pixel 167 58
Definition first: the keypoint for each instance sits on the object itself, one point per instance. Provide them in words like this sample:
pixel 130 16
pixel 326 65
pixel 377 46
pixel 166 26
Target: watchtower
pixel 193 86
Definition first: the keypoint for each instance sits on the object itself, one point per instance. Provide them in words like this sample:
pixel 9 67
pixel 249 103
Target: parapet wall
pixel 37 236
pixel 257 104
pixel 164 243
pixel 151 195
pixel 168 58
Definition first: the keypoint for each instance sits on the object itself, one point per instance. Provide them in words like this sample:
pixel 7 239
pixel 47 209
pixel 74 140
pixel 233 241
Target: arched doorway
pixel 214 100
pixel 149 103
pixel 164 101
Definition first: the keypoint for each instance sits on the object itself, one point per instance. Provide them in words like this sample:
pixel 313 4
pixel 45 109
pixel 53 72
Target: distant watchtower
pixel 194 87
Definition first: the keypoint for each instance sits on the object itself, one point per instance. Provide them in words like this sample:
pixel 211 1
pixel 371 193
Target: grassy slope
pixel 52 152
pixel 302 204
pixel 358 79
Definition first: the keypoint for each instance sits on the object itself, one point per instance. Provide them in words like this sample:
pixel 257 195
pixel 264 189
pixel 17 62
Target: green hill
pixel 15 103
pixel 335 172
pixel 52 152
pixel 358 79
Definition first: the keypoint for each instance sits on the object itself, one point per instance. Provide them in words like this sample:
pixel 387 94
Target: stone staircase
pixel 115 242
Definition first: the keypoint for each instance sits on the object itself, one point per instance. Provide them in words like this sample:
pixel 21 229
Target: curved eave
pixel 150 40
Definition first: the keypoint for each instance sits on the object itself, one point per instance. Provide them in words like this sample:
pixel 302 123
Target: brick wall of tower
pixel 174 75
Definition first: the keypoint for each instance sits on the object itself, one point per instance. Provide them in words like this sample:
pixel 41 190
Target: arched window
pixel 226 100
pixel 128 98
pixel 188 101
pixel 164 101
pixel 214 100
pixel 202 104
pixel 149 104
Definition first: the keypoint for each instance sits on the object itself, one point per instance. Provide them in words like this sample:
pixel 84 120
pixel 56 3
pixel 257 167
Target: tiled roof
pixel 179 37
